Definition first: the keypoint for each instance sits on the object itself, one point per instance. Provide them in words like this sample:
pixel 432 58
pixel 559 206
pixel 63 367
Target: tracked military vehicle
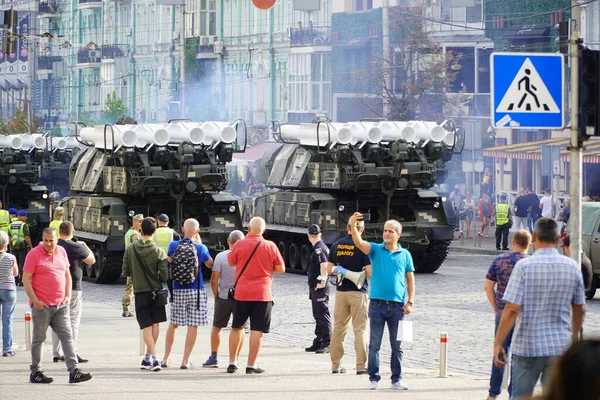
pixel 178 169
pixel 322 173
pixel 20 160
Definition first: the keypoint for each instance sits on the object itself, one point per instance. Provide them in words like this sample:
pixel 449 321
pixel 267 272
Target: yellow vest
pixel 128 236
pixel 163 237
pixel 4 220
pixel 56 224
pixel 17 232
pixel 501 214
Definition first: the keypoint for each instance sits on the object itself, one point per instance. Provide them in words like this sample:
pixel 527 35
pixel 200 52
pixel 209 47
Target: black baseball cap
pixel 314 229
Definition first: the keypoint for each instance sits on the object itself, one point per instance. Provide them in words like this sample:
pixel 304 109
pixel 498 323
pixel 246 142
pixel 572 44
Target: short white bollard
pixel 506 376
pixel 27 331
pixel 142 343
pixel 443 355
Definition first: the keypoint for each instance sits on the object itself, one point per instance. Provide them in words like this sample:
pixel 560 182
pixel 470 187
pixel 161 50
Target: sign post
pixel 576 155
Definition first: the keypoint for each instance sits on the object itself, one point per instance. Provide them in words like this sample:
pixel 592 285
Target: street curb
pixel 475 250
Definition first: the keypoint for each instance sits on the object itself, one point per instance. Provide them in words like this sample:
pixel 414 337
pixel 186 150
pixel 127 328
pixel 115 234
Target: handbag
pixel 160 296
pixel 231 292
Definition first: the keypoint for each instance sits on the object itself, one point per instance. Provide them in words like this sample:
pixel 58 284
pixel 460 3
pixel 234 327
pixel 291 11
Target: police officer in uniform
pixel 503 222
pixel 20 241
pixel 351 303
pixel 132 235
pixel 319 291
pixel 164 235
pixel 59 214
pixel 4 219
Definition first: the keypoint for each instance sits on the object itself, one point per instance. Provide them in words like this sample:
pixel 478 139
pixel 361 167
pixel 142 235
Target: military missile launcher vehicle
pixel 322 173
pixel 21 157
pixel 178 169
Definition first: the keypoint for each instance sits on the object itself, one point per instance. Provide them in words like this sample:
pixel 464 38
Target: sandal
pixel 165 364
pixel 189 365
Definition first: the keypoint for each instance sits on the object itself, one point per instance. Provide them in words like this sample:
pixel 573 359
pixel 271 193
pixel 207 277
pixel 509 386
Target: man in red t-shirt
pixel 252 291
pixel 47 282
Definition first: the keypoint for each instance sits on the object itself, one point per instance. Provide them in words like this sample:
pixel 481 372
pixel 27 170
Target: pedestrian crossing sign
pixel 527 90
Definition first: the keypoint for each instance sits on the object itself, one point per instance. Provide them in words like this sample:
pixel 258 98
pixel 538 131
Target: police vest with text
pixel 17 234
pixel 502 214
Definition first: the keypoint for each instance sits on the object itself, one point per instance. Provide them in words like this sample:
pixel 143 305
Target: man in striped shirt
pixel 542 291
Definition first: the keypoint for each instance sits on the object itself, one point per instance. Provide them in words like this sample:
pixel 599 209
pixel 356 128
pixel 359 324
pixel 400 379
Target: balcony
pixel 48 7
pixel 89 4
pixel 310 36
pixel 87 56
pixel 111 51
pixel 45 62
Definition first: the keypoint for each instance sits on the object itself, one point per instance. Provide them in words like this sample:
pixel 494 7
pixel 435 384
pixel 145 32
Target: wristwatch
pixel 410 303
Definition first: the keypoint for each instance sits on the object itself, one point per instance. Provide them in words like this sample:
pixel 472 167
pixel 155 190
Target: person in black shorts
pixel 148 314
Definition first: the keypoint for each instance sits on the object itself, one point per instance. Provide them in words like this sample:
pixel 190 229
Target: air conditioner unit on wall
pixel 94 54
pixel 47 125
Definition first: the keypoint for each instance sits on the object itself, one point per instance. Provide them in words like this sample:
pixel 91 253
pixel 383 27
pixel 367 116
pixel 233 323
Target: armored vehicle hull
pixel 323 173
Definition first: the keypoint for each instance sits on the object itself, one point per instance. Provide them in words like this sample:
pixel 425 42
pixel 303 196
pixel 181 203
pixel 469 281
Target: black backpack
pixel 184 263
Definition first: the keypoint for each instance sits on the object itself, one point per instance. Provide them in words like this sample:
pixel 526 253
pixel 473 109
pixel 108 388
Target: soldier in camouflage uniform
pixel 132 235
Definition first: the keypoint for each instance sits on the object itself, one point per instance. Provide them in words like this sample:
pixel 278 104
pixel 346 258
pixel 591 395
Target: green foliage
pixel 86 118
pixel 194 69
pixel 3 127
pixel 57 132
pixel 113 108
pixel 19 123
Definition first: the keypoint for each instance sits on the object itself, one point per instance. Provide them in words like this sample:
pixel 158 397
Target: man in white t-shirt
pixel 547 205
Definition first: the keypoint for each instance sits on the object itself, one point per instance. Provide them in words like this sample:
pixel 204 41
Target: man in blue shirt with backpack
pixel 189 304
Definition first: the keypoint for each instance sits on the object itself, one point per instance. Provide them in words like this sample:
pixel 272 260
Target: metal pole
pixel 142 343
pixel 443 355
pixel 576 154
pixel 182 61
pixel 27 331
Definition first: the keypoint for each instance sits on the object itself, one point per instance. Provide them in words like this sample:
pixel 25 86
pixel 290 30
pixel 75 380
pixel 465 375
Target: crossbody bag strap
pixel 245 265
pixel 145 268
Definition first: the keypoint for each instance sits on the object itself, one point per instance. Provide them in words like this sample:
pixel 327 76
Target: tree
pixel 19 123
pixel 414 76
pixel 113 108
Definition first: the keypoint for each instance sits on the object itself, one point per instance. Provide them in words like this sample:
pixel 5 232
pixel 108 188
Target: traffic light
pixel 589 86
pixel 10 31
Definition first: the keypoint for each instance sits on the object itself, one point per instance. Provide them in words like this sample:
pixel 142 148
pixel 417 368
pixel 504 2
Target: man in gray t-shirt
pixel 222 279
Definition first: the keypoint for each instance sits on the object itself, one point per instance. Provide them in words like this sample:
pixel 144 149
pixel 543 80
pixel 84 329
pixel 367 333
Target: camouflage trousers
pixel 128 293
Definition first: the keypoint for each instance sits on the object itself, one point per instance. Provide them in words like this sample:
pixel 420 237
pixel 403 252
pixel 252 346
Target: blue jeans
pixel 380 313
pixel 497 373
pixel 525 373
pixel 8 300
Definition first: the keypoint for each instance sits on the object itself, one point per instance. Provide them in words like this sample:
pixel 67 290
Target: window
pixel 207 16
pixel 310 82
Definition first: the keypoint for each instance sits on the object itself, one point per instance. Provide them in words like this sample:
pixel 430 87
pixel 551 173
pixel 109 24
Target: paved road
pixel 451 300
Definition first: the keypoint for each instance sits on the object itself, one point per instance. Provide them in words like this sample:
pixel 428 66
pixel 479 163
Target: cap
pixel 503 195
pixel 314 229
pixel 12 210
pixel 59 209
pixel 138 217
pixel 163 218
pixel 22 213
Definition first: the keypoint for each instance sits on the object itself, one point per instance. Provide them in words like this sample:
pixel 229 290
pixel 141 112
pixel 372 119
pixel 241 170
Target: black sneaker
pixel 155 366
pixel 323 350
pixel 57 359
pixel 313 348
pixel 39 377
pixel 232 368
pixel 81 360
pixel 146 364
pixel 254 370
pixel 79 376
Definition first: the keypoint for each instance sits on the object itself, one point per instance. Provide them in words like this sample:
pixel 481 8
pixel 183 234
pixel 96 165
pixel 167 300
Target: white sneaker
pixel 398 386
pixel 373 385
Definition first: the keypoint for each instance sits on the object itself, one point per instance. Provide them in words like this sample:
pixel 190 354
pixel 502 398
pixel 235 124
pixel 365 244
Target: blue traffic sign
pixel 527 90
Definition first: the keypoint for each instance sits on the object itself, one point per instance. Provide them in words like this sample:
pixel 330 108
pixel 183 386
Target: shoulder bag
pixel 231 292
pixel 161 296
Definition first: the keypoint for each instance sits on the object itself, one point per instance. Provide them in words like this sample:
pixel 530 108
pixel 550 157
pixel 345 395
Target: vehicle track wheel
pixel 284 252
pixel 305 257
pixel 294 254
pixel 589 294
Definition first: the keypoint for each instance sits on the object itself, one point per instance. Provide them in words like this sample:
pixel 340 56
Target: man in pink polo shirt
pixel 47 282
pixel 252 291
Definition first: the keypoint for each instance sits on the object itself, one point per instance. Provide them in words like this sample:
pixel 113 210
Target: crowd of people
pixel 538 300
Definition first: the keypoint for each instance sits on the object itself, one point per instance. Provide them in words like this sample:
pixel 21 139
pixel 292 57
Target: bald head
pixel 190 227
pixel 257 226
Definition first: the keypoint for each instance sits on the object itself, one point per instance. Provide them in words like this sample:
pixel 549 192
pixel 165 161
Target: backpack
pixel 184 263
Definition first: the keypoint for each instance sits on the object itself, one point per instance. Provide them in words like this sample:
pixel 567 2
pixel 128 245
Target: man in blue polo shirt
pixel 189 305
pixel 392 295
